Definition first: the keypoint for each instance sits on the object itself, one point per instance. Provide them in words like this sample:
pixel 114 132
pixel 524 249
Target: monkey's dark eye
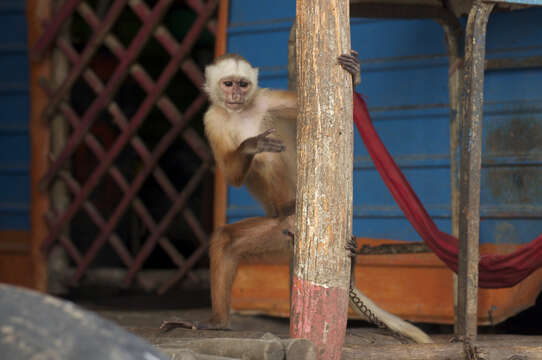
pixel 243 84
pixel 228 83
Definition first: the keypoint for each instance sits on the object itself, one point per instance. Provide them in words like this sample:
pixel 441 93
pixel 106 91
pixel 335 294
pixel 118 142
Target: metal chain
pixel 471 351
pixel 365 310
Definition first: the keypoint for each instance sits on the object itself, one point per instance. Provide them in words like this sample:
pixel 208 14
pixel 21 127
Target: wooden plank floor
pixel 361 342
pixel 142 315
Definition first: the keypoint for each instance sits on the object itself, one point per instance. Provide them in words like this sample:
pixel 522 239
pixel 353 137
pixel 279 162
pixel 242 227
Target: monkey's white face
pixel 231 83
pixel 235 90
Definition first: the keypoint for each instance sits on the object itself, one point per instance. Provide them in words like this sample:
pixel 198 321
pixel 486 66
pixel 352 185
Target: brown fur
pixel 269 176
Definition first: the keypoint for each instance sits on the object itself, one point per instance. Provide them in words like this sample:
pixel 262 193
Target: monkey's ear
pixel 254 76
pixel 210 79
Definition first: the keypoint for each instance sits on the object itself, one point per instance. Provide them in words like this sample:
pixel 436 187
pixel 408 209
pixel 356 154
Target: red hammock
pixel 495 271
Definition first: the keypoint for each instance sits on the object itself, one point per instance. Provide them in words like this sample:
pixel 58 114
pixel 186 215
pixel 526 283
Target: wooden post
pixel 57 259
pixel 38 12
pixel 453 35
pixel 292 66
pixel 220 189
pixel 324 176
pixel 471 161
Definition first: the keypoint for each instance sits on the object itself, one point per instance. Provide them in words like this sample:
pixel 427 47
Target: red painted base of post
pixel 319 314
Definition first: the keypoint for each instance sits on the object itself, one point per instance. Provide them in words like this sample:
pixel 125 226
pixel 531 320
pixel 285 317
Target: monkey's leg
pixel 261 237
pixel 223 266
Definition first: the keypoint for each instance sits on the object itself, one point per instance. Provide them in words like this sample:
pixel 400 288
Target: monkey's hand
pixel 350 63
pixel 262 143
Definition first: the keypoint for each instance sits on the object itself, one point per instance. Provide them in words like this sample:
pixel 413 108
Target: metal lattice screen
pixel 133 160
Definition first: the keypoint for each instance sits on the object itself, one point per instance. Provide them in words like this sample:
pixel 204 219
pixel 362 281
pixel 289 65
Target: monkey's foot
pixel 168 325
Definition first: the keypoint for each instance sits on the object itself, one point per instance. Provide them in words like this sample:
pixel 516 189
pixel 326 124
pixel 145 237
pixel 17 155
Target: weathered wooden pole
pixel 453 33
pixel 38 12
pixel 57 259
pixel 471 163
pixel 220 188
pixel 324 176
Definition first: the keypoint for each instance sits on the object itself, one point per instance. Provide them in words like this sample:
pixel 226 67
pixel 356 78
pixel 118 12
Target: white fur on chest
pixel 248 123
pixel 249 127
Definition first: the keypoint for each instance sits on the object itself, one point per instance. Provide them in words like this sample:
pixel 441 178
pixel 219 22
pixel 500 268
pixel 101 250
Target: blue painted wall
pixel 14 117
pixel 404 71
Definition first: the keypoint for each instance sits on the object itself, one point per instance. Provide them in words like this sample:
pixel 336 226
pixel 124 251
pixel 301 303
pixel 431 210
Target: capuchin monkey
pixel 252 133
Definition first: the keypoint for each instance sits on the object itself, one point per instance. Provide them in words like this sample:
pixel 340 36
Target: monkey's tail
pixel 369 310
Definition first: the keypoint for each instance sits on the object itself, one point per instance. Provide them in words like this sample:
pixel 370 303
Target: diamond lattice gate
pixel 132 160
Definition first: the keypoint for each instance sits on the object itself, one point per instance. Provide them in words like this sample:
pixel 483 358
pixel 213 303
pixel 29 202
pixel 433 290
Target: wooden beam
pixel 453 35
pixel 445 351
pixel 38 12
pixel 221 189
pixel 324 176
pixel 471 161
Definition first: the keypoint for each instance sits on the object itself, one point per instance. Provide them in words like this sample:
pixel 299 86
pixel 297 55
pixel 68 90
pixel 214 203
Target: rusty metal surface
pixel 156 96
pixel 471 154
pixel 519 139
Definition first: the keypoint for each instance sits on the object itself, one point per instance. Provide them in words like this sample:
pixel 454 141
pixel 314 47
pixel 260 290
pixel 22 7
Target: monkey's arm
pixel 232 161
pixel 235 166
pixel 282 103
pixel 235 163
